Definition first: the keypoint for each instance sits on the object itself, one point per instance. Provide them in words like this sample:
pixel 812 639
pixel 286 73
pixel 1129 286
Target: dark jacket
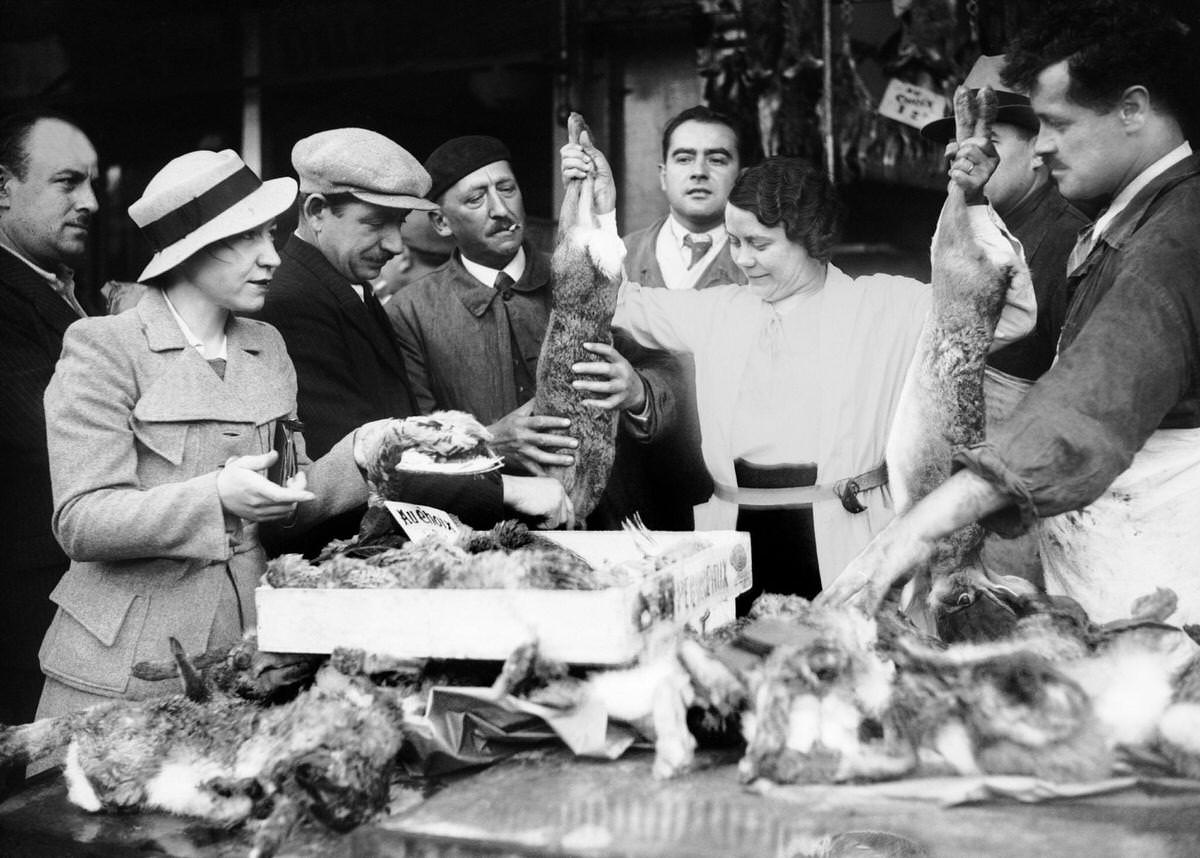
pixel 1129 359
pixel 1047 226
pixel 32 322
pixel 467 347
pixel 350 371
pixel 349 368
pixel 677 469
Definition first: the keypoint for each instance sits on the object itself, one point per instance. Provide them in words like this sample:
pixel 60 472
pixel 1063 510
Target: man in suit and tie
pixel 356 188
pixel 688 249
pixel 47 166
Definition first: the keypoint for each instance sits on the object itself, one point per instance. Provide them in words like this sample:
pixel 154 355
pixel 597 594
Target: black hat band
pixel 196 212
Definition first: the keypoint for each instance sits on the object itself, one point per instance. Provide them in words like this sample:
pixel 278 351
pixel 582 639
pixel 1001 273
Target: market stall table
pixel 544 803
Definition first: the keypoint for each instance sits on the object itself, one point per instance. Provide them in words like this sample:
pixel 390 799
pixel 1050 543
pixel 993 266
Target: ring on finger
pixel 970 166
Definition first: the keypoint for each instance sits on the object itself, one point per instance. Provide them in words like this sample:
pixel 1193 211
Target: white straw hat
pixel 199 198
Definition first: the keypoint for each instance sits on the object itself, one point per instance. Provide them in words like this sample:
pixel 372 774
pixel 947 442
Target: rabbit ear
pixel 194 686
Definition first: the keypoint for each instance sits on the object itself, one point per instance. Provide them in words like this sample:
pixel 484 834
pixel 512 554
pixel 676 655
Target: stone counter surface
pixel 544 803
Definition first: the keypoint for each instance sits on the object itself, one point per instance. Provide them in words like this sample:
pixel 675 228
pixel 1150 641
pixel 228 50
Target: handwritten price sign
pixel 910 104
pixel 420 522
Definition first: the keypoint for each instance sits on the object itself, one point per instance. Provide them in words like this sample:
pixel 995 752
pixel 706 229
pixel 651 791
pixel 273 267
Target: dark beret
pixel 460 157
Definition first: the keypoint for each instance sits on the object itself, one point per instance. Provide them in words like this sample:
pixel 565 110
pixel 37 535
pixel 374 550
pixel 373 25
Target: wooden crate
pixel 578 626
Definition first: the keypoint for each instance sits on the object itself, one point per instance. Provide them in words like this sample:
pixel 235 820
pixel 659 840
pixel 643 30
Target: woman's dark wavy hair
pixel 1109 46
pixel 794 194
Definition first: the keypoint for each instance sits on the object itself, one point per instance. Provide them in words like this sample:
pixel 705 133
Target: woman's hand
pixel 578 161
pixel 539 497
pixel 616 384
pixel 245 491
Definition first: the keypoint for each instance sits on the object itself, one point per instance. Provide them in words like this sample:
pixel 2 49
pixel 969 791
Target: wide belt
pixel 845 490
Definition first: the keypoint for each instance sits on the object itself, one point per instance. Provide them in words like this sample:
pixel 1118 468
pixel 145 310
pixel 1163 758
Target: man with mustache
pixel 1102 455
pixel 356 188
pixel 47 167
pixel 472 330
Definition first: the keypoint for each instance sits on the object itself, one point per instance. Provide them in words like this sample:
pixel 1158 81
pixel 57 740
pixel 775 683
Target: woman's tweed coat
pixel 138 427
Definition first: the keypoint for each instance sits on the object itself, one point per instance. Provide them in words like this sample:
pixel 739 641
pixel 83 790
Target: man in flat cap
pixel 472 330
pixel 356 187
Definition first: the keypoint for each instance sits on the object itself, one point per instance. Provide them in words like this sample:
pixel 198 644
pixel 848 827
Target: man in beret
pixel 472 330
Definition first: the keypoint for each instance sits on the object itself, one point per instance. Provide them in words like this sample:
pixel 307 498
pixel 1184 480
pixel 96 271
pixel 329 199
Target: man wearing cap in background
pixel 424 250
pixel 1025 196
pixel 47 166
pixel 356 187
pixel 472 330
pixel 1103 452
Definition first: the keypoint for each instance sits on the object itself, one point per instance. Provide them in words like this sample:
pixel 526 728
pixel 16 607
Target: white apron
pixel 1142 533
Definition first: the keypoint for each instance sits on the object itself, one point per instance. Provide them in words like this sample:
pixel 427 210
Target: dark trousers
pixel 25 614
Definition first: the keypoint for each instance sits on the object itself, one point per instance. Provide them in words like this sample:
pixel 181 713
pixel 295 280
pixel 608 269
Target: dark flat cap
pixel 459 157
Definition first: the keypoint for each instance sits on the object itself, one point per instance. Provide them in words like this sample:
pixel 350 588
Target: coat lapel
pixel 377 332
pixel 187 389
pixel 31 287
pixel 721 270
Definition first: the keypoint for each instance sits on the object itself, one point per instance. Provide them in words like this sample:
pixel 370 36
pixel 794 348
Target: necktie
pixel 523 382
pixel 698 245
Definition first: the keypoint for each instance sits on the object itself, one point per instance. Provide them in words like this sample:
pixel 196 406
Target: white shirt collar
pixel 65 275
pixel 193 340
pixel 1148 175
pixel 679 232
pixel 487 276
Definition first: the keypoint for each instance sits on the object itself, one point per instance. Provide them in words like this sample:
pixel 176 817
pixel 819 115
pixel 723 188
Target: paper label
pixel 421 521
pixel 910 104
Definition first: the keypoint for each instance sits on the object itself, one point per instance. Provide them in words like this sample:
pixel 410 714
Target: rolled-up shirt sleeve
pixel 1130 366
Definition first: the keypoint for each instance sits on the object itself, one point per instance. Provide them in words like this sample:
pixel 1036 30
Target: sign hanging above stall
pixel 913 105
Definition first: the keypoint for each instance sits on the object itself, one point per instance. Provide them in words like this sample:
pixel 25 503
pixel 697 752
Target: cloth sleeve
pixel 662 377
pixel 1079 427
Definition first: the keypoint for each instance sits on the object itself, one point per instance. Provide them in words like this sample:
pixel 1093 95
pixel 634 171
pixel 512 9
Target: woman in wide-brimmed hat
pixel 163 422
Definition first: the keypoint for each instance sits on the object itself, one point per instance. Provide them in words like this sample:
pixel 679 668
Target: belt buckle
pixel 849 497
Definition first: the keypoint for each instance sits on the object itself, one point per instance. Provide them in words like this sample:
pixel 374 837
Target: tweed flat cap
pixel 363 163
pixel 459 157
